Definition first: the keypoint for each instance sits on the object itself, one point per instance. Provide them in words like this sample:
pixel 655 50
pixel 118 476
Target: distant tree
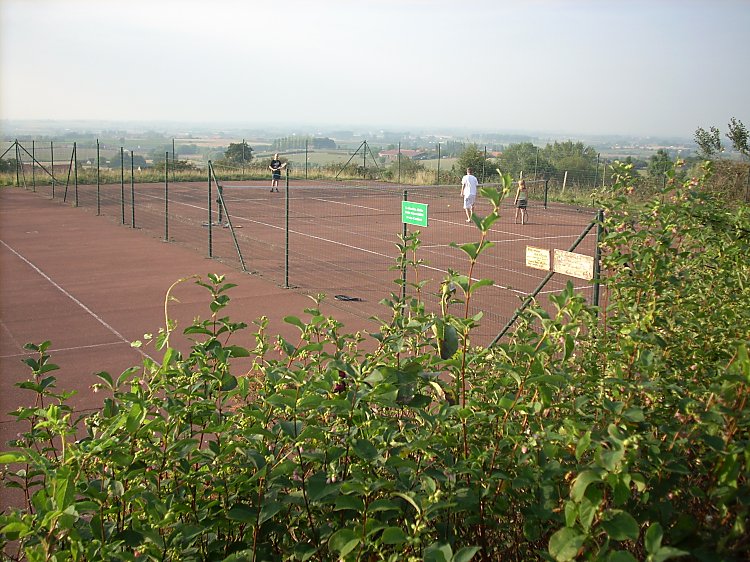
pixel 188 149
pixel 174 165
pixel 472 158
pixel 453 149
pixel 709 143
pixel 321 143
pixel 524 157
pixel 238 153
pixel 658 165
pixel 138 160
pixel 574 157
pixel 739 137
pixel 8 165
pixel 409 167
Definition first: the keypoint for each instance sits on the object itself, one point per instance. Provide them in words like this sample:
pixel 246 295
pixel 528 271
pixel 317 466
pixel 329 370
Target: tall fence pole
pixel 404 232
pixel 18 164
pixel 305 158
pixel 166 196
pixel 98 181
pixel 75 171
pixel 52 165
pixel 33 166
pixel 122 184
pixel 286 232
pixel 132 190
pixel 210 213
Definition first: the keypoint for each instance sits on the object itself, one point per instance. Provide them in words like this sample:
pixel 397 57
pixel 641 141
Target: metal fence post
pixel 18 164
pixel 132 190
pixel 52 165
pixel 98 181
pixel 286 231
pixel 166 196
pixel 75 171
pixel 210 213
pixel 405 232
pixel 122 184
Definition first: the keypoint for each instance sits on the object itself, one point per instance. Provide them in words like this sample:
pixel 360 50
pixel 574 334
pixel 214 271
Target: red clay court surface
pixel 91 287
pixel 92 284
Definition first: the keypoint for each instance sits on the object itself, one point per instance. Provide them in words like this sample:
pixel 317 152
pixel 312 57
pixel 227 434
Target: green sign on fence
pixel 414 213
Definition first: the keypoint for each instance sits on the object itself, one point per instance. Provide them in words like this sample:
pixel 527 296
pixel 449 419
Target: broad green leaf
pixel 465 553
pixel 621 556
pixel 135 417
pixel 291 428
pixel 448 345
pixel 666 553
pixel 409 499
pixel 621 527
pixel 64 486
pixel 365 449
pixel 653 537
pixel 583 445
pixel 438 552
pixel 106 377
pixel 393 535
pixel 565 544
pixel 343 541
pixel 471 249
pixel 242 513
pixel 481 283
pixel 582 482
pixel 294 321
pixel 237 351
pixel 11 457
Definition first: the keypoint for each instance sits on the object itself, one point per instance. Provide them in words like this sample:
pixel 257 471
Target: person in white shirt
pixel 469 190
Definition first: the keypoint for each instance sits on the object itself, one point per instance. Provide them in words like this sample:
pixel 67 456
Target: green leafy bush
pixel 614 434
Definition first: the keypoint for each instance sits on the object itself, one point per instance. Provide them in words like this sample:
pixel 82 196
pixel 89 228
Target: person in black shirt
pixel 275 168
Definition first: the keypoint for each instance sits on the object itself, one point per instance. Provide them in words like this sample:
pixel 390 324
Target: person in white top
pixel 469 190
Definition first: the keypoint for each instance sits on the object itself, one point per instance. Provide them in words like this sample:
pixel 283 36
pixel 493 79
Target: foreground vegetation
pixel 617 435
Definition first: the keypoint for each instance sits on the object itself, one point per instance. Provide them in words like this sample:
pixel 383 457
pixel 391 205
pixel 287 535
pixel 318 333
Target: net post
pixel 132 190
pixel 75 172
pixel 18 163
pixel 98 181
pixel 122 184
pixel 286 231
pixel 166 196
pixel 52 165
pixel 210 213
pixel 405 232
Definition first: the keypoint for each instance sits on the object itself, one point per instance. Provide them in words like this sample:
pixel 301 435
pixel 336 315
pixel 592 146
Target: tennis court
pixel 340 238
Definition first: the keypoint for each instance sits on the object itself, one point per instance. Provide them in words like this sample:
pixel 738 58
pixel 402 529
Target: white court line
pixel 71 297
pixel 60 349
pixel 16 343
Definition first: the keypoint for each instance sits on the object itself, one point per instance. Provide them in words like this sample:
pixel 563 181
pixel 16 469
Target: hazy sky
pixel 646 67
